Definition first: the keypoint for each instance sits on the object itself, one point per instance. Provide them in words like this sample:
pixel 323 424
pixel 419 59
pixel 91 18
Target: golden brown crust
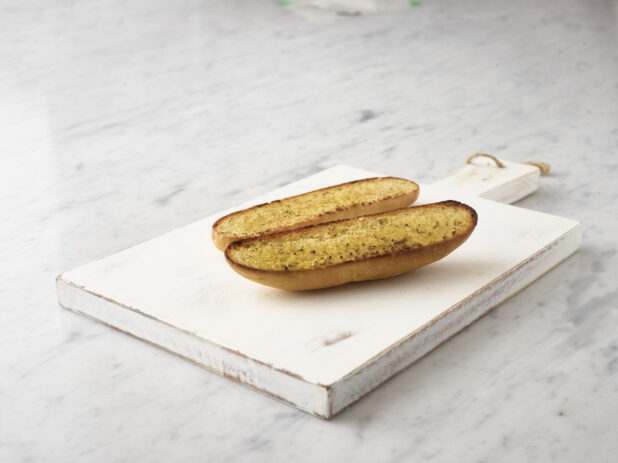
pixel 362 269
pixel 221 240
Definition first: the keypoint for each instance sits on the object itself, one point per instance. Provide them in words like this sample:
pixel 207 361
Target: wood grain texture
pixel 176 291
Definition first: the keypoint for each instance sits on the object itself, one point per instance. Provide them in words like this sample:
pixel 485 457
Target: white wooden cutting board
pixel 322 350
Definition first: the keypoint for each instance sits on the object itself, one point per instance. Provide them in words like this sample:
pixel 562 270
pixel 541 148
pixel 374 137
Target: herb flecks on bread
pixel 410 238
pixel 343 201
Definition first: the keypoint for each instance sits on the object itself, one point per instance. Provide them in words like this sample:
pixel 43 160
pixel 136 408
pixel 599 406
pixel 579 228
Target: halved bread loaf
pixel 344 201
pixel 364 248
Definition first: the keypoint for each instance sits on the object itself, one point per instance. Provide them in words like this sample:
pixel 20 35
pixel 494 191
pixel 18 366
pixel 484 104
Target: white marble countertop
pixel 122 120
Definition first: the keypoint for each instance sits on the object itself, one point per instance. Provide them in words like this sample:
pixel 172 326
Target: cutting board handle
pixel 496 179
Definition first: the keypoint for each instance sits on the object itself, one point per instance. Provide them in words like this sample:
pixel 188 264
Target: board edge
pixel 279 384
pixel 402 354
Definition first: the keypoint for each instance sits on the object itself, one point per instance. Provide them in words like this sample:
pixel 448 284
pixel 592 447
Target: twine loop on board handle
pixel 542 166
pixel 488 156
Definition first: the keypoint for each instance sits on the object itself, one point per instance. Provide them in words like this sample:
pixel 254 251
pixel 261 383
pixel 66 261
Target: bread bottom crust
pixel 372 268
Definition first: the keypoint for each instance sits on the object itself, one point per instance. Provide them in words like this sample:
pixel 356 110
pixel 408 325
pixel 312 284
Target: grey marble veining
pixel 122 120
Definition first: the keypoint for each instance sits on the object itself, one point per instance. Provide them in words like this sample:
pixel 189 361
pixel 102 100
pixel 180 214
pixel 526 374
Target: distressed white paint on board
pixel 319 350
pixel 508 184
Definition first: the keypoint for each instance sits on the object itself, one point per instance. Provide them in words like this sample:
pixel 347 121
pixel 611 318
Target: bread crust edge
pixel 222 241
pixel 364 269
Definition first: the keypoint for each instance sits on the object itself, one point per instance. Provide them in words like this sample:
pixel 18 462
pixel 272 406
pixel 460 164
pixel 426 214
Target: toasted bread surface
pixel 363 248
pixel 338 202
